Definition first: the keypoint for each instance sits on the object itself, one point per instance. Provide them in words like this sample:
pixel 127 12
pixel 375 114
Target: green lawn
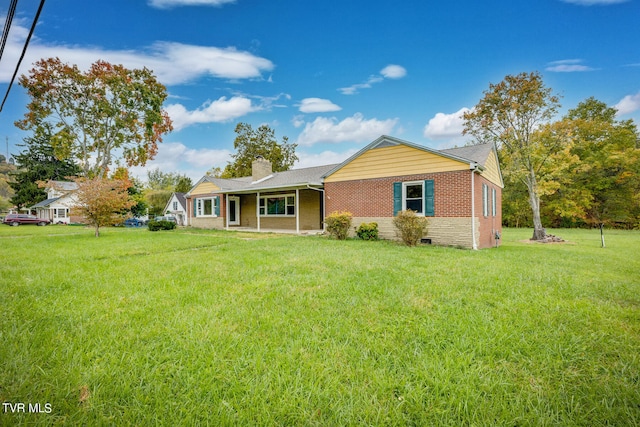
pixel 195 327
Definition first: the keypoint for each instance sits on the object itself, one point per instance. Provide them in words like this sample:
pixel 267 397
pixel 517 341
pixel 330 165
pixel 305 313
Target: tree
pixel 183 184
pixel 509 116
pixel 157 200
pixel 251 143
pixel 102 201
pixel 38 163
pixel 135 190
pixel 602 188
pixel 168 181
pixel 93 115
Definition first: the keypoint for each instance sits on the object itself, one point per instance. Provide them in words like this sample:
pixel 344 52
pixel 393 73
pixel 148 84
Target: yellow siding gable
pixel 205 187
pixel 492 170
pixel 397 160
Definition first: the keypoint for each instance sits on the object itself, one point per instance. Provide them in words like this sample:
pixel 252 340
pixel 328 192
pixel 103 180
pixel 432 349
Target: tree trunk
pixel 539 233
pixel 97 231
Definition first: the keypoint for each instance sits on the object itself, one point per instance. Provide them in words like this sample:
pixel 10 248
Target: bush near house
pixel 338 224
pixel 161 225
pixel 367 231
pixel 410 227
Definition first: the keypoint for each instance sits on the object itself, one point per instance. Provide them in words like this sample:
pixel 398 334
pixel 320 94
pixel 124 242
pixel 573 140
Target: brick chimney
pixel 260 168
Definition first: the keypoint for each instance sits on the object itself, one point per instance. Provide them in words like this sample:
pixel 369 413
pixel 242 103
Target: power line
pixel 7 25
pixel 24 51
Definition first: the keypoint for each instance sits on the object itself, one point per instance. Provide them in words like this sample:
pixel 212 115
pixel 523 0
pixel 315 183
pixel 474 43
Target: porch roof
pixel 294 178
pixel 45 203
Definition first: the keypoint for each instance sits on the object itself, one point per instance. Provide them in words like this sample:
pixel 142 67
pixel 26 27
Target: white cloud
pixel 393 72
pixel 446 125
pixel 172 63
pixel 353 129
pixel 628 104
pixel 389 72
pixel 594 2
pixel 219 111
pixel 568 66
pixel 177 157
pixel 166 4
pixel 318 105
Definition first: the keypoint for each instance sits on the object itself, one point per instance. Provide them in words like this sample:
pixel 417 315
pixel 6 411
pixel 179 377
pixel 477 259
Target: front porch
pixel 291 211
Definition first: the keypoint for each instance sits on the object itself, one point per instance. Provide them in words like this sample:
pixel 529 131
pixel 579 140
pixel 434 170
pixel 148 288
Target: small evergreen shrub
pixel 161 225
pixel 367 231
pixel 410 227
pixel 338 224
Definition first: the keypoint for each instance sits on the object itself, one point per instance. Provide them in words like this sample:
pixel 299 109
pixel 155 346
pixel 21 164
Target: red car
pixel 17 219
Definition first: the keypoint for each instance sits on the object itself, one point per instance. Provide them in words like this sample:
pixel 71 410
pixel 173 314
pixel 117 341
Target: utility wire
pixel 24 51
pixel 7 25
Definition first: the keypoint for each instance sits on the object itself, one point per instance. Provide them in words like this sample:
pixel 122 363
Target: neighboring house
pixel 176 206
pixel 458 189
pixel 57 206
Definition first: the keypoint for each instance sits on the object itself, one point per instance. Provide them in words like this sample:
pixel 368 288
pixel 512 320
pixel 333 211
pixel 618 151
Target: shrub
pixel 410 227
pixel 338 224
pixel 368 231
pixel 161 225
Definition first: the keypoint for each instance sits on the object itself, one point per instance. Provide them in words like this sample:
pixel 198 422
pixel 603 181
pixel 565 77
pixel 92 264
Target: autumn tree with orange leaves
pixel 101 201
pixel 95 114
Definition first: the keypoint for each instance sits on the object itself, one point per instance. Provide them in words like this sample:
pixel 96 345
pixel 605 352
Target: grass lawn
pixel 197 327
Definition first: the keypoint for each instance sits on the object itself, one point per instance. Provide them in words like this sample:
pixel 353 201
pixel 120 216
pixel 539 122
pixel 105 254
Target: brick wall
pixel 374 197
pixel 372 200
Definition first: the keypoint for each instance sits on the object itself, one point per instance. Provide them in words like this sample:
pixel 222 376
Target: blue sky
pixel 332 75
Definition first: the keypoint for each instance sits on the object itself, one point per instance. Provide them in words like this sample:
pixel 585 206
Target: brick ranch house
pixel 458 189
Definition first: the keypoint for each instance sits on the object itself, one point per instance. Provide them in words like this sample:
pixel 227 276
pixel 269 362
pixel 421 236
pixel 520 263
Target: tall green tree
pixel 95 114
pixel 601 188
pixel 38 163
pixel 509 115
pixel 250 143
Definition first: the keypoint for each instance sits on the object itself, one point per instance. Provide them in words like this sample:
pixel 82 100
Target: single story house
pixel 176 207
pixel 57 206
pixel 458 189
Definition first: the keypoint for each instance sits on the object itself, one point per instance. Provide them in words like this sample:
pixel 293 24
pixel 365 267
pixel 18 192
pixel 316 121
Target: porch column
pixel 226 219
pixel 258 208
pixel 297 211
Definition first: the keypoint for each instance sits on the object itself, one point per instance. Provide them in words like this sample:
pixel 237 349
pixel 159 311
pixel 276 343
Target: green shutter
pixel 217 206
pixel 195 208
pixel 397 198
pixel 429 209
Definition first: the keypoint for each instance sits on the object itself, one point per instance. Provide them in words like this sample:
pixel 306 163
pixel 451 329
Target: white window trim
pixel 494 209
pixel 404 195
pixel 271 196
pixel 200 207
pixel 56 213
pixel 485 200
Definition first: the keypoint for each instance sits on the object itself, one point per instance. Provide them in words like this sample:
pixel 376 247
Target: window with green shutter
pixel 419 196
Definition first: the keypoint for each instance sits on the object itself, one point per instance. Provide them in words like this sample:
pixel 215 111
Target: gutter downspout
pixel 324 215
pixel 473 167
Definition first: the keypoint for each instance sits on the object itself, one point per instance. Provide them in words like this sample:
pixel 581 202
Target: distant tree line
pixel 582 170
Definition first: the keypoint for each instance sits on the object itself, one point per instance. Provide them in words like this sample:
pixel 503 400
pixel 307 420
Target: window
pixel 415 195
pixel 281 205
pixel 175 206
pixel 61 212
pixel 493 202
pixel 485 200
pixel 207 206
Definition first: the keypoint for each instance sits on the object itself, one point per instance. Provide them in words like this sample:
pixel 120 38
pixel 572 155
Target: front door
pixel 234 211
